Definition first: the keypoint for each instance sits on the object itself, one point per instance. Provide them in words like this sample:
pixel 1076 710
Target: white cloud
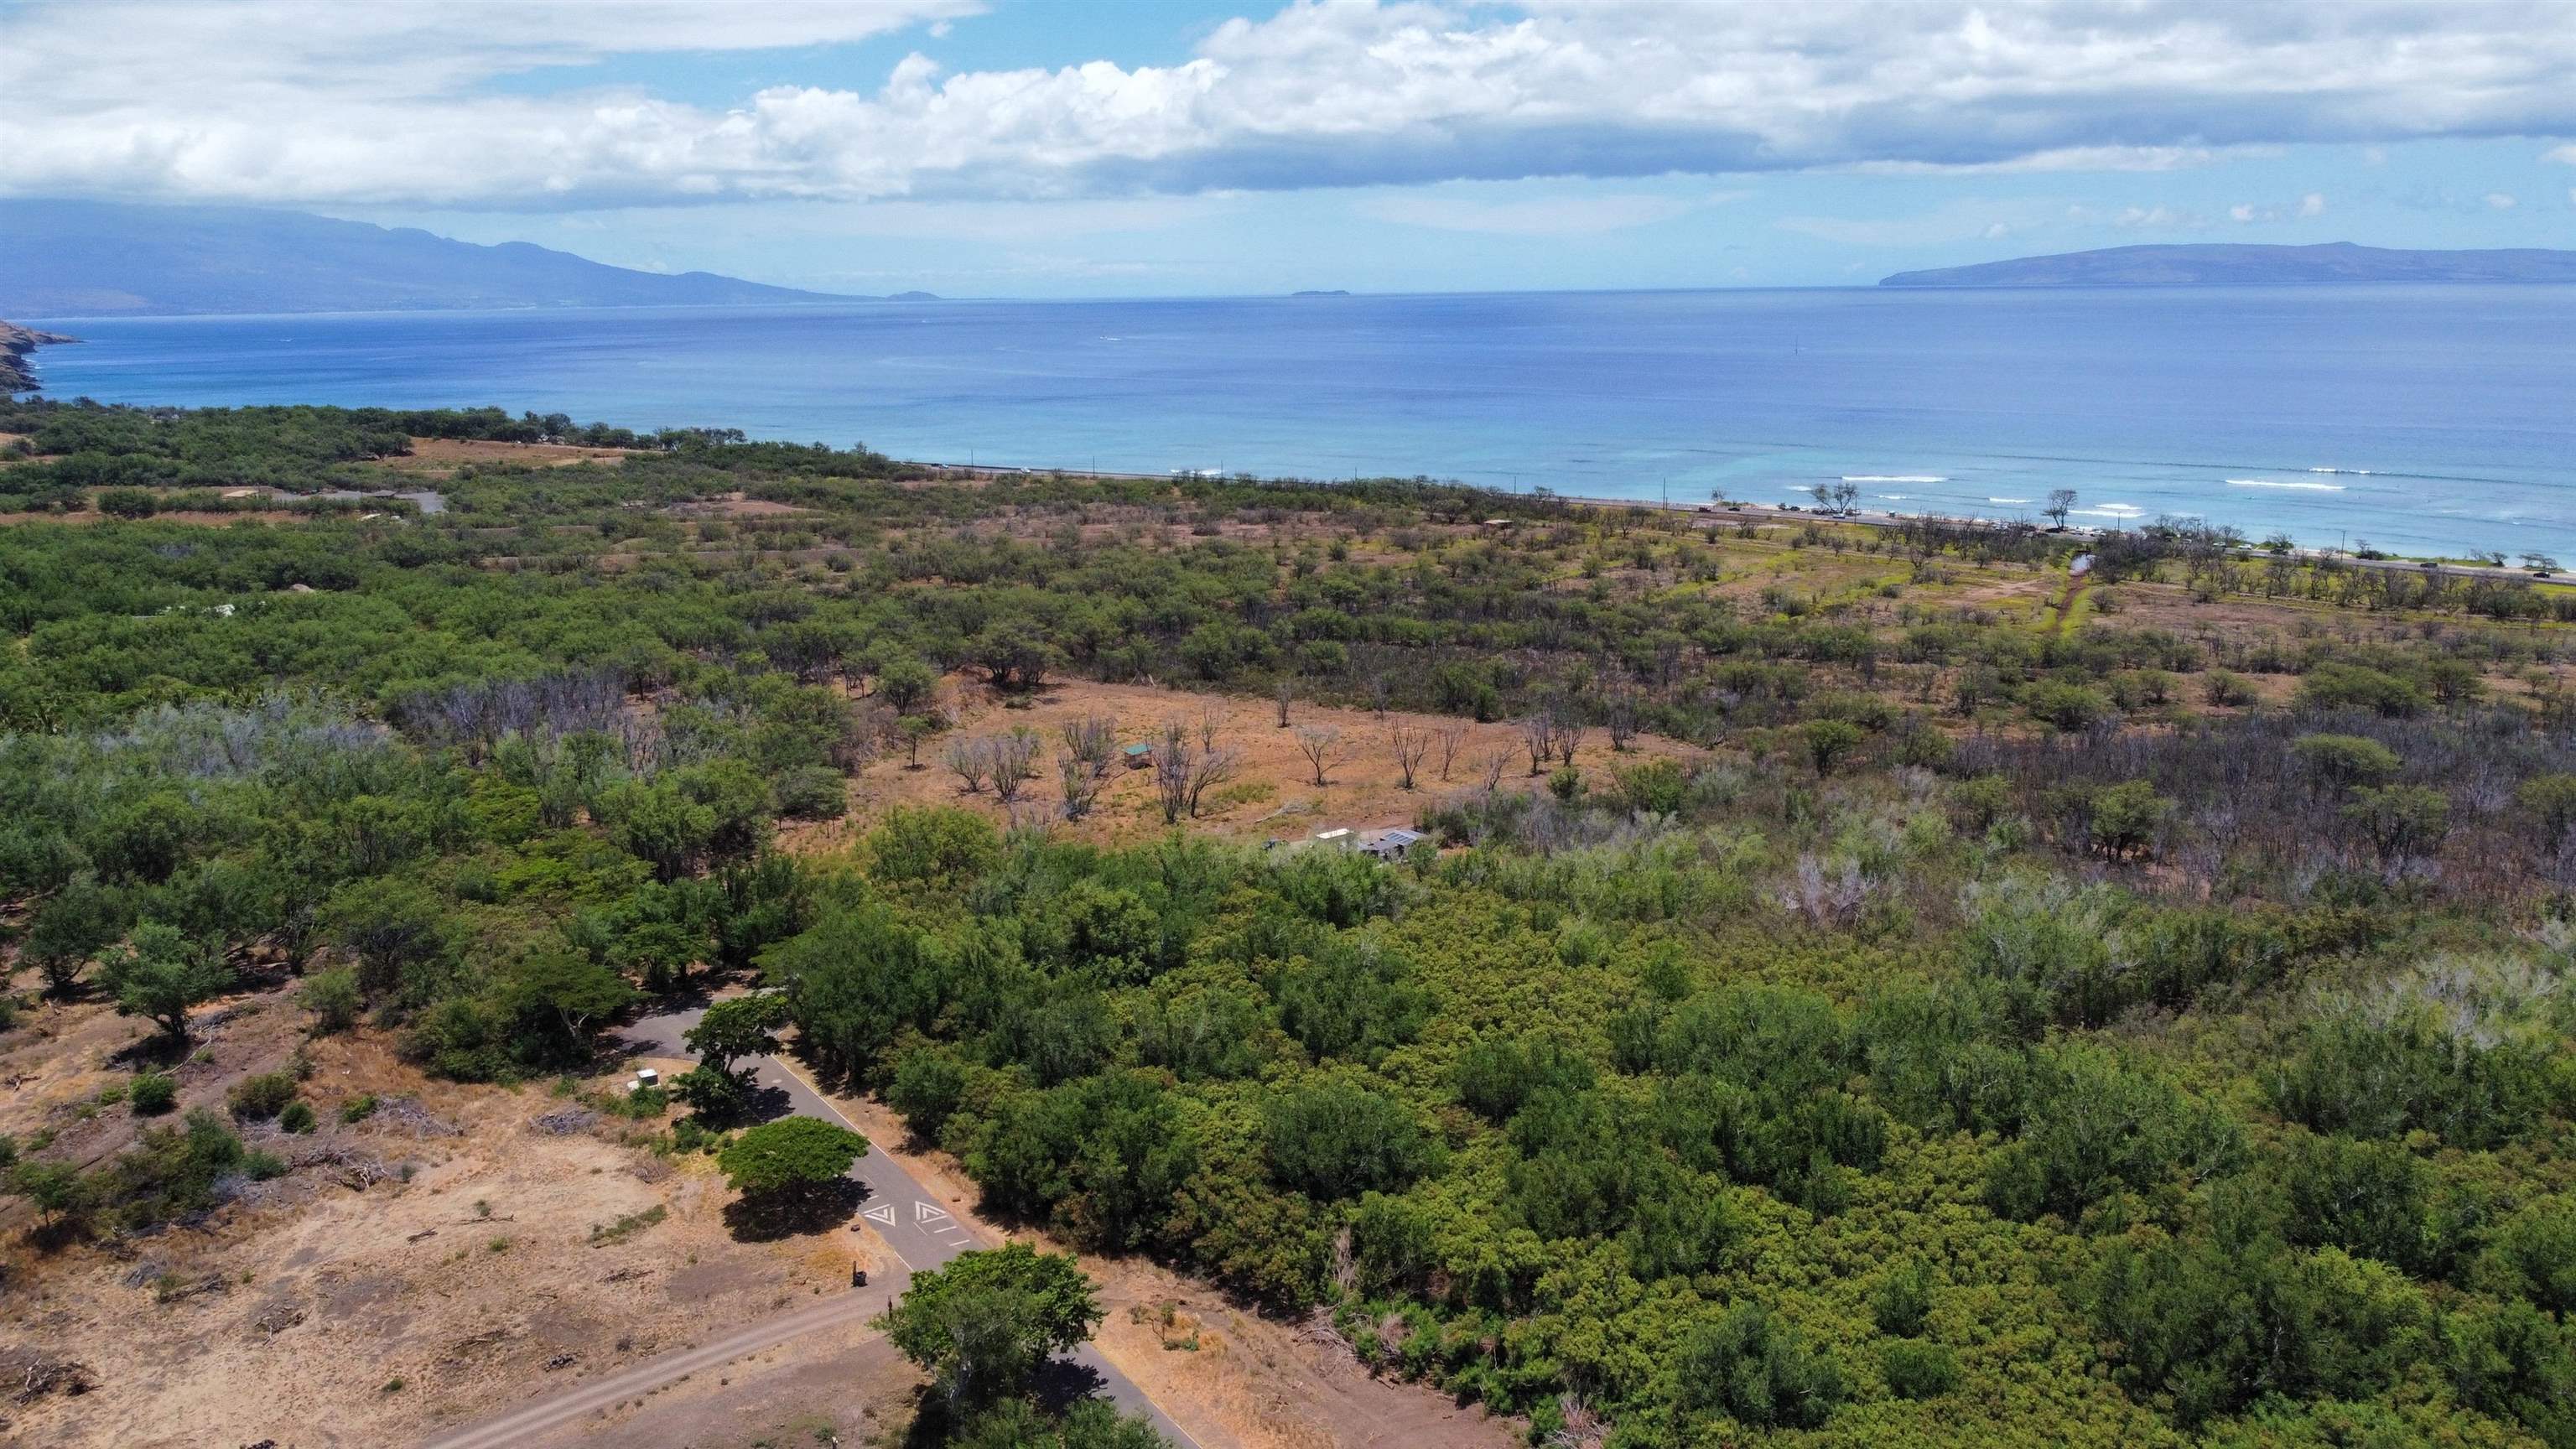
pixel 2500 201
pixel 2561 153
pixel 1542 217
pixel 2312 204
pixel 316 101
pixel 2064 158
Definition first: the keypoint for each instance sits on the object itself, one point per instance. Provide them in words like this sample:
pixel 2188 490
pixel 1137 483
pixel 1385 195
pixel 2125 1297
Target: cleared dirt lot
pixel 441 457
pixel 497 1258
pixel 1272 795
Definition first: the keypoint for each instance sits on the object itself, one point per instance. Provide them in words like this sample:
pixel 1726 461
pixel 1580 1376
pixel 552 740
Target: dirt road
pixel 921 1230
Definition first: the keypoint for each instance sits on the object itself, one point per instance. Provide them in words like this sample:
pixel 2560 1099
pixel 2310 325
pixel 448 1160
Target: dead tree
pixel 1619 719
pixel 1217 760
pixel 1409 743
pixel 1081 784
pixel 1490 767
pixel 1568 732
pixel 1450 737
pixel 1014 759
pixel 1188 764
pixel 972 763
pixel 1287 691
pixel 1538 735
pixel 1323 749
pixel 1093 740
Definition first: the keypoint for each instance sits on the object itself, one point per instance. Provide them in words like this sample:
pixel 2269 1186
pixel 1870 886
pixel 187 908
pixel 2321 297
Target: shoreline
pixel 1717 515
pixel 17 344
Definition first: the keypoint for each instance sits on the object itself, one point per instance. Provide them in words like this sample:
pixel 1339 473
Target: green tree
pixel 1757 1371
pixel 746 1026
pixel 162 974
pixel 556 1002
pixel 1337 1139
pixel 56 1189
pixel 71 927
pixel 2400 820
pixel 2340 762
pixel 333 998
pixel 936 846
pixel 907 686
pixel 791 1163
pixel 398 931
pixel 2127 818
pixel 984 1324
pixel 2550 801
pixel 1830 742
pixel 2070 708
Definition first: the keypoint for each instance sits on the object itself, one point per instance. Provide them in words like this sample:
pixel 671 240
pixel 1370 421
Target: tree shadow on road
pixel 766 1218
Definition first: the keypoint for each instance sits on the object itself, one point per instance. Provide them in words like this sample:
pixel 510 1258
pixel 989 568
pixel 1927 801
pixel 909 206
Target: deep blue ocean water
pixel 2417 419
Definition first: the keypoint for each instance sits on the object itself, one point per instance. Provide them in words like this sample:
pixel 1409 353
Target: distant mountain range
pixel 2226 264
pixel 92 258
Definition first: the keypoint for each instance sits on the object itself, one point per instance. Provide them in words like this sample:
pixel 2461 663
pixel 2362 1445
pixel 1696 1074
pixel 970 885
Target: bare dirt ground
pixel 496 1258
pixel 734 505
pixel 1273 794
pixel 441 457
pixel 843 1385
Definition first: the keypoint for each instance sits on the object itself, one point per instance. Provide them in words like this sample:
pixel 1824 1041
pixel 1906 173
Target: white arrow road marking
pixel 880 1214
pixel 923 1212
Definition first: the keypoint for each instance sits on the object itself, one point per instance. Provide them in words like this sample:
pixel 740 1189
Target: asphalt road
pixel 915 1224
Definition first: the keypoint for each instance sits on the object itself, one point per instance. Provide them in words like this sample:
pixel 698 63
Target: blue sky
pixel 1161 147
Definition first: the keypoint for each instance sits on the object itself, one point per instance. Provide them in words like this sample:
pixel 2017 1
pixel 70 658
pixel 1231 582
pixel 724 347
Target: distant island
pixel 93 259
pixel 2228 264
pixel 16 342
pixel 1318 292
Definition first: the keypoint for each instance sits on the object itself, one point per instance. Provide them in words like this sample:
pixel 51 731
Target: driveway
pixel 921 1230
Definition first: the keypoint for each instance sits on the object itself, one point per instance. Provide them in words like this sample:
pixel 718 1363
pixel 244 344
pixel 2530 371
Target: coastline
pixel 1715 515
pixel 17 344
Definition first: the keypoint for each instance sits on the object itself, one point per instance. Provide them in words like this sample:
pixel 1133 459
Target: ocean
pixel 2417 420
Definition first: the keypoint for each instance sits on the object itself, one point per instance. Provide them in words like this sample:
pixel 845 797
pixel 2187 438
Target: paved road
pixel 910 1218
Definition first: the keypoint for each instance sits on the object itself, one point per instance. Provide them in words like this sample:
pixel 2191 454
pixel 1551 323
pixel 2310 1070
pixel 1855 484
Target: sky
pixel 1197 147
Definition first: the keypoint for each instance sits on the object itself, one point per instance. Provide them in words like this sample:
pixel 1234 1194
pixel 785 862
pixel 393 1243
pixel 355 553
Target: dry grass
pixel 1273 794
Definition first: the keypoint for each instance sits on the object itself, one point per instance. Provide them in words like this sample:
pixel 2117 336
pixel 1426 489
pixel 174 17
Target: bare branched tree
pixel 1381 692
pixel 1451 736
pixel 1217 762
pixel 1014 759
pixel 1538 735
pixel 1174 759
pixel 1619 718
pixel 972 763
pixel 1323 749
pixel 1081 785
pixel 1287 691
pixel 1569 735
pixel 1490 767
pixel 1409 744
pixel 1189 763
pixel 1093 740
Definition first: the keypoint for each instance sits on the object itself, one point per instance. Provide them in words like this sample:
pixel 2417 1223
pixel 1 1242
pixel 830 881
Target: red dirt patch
pixel 1273 794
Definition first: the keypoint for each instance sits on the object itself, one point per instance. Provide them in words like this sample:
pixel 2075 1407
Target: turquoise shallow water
pixel 2417 419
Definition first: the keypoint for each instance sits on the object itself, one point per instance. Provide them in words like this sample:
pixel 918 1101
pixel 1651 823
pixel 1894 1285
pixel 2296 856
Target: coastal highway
pixel 922 1231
